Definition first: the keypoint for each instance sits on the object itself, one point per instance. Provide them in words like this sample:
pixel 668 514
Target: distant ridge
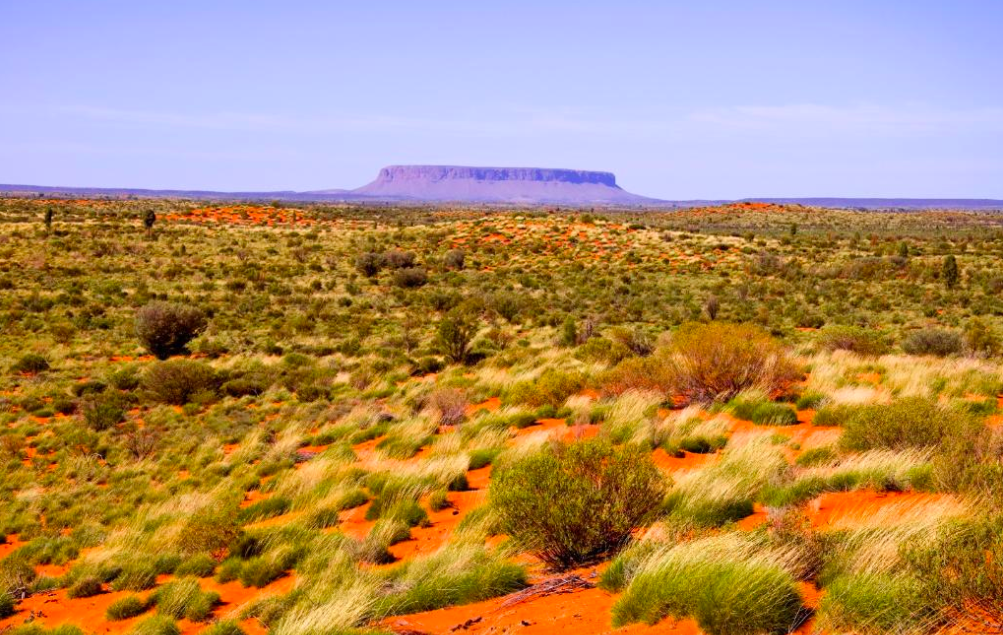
pixel 417 184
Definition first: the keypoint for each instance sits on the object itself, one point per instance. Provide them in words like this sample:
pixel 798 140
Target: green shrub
pixel 552 387
pixel 908 422
pixel 961 567
pixel 178 381
pixel 165 328
pixel 852 338
pixel 716 361
pixel 980 340
pixel 571 504
pixel 938 342
pixel 30 363
pixel 208 531
pixel 125 608
pixel 102 413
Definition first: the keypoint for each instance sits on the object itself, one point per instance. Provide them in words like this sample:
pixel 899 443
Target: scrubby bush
pixel 980 340
pixel 716 361
pixel 450 404
pixel 551 388
pixel 165 329
pixel 30 364
pixel 570 504
pixel 454 336
pixel 939 342
pixel 208 531
pixel 852 338
pixel 102 413
pixel 178 381
pixel 907 422
pixel 410 277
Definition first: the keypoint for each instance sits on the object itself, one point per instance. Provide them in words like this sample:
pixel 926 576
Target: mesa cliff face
pixel 502 185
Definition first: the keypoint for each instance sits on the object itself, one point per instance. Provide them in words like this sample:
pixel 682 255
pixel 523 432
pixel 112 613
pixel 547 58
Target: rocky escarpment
pixel 502 185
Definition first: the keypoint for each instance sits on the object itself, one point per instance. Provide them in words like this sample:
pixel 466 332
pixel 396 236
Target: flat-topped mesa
pixel 435 173
pixel 497 185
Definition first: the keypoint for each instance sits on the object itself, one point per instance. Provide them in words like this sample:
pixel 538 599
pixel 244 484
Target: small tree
pixel 165 328
pixel 48 218
pixel 455 333
pixel 149 218
pixel 951 275
pixel 569 332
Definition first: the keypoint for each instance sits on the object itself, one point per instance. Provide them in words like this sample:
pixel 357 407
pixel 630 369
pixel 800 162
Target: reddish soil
pixel 492 404
pixel 583 611
pixel 848 509
pixel 688 461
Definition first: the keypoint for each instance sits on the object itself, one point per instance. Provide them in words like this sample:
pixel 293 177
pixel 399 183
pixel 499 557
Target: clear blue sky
pixel 720 100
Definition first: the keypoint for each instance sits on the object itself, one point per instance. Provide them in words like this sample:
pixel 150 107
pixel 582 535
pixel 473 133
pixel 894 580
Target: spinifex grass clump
pixel 727 584
pixel 573 503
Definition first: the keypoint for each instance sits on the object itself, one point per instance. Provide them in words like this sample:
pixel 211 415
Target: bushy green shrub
pixel 938 342
pixel 834 414
pixel 208 531
pixel 166 328
pixel 852 338
pixel 552 387
pixel 716 361
pixel 178 381
pixel 570 504
pixel 907 422
pixel 101 413
pixel 30 363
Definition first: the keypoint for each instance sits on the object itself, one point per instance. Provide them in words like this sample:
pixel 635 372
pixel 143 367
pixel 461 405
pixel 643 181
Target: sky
pixel 681 100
